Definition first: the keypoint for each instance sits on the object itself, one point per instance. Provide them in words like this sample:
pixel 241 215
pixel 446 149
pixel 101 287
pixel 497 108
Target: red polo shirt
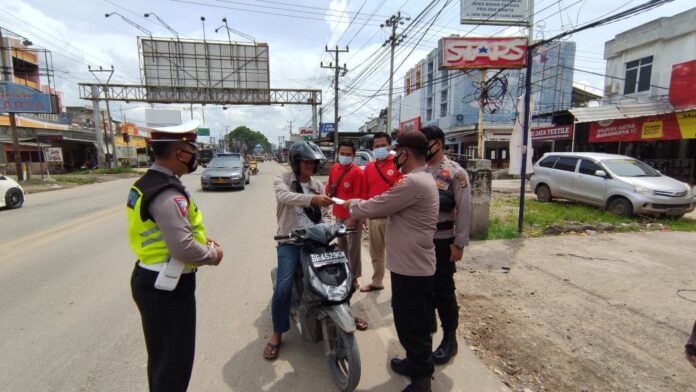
pixel 352 186
pixel 375 183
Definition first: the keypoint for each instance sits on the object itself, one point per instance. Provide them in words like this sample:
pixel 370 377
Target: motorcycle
pixel 253 166
pixel 322 287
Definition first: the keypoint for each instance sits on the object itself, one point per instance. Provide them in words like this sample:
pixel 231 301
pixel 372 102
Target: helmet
pixel 304 151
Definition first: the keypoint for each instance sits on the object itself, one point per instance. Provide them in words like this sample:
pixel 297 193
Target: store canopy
pixel 615 112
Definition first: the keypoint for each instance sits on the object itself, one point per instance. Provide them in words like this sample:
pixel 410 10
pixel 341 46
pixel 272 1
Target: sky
pixel 297 32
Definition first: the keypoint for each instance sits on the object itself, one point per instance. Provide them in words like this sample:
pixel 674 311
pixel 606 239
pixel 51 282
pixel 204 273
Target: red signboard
pixel 413 124
pixel 555 132
pixel 482 53
pixel 672 126
pixel 681 86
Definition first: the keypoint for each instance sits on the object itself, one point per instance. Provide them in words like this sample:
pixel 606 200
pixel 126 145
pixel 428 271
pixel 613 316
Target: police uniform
pixel 164 222
pixel 452 228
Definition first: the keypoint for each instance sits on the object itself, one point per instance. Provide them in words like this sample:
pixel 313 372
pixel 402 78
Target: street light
pixel 239 33
pixel 130 22
pixel 163 23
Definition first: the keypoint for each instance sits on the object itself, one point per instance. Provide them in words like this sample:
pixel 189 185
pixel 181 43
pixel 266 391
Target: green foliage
pixel 116 170
pixel 249 138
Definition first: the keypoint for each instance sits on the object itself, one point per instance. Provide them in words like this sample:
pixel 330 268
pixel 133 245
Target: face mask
pixel 345 161
pixel 431 153
pixel 399 164
pixel 381 153
pixel 192 163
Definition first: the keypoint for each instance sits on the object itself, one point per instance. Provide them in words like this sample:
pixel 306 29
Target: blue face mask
pixel 381 153
pixel 345 161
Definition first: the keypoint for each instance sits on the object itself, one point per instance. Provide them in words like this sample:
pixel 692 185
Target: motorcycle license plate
pixel 328 258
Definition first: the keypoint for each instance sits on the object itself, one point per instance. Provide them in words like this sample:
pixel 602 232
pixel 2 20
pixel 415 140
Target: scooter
pixel 253 166
pixel 322 287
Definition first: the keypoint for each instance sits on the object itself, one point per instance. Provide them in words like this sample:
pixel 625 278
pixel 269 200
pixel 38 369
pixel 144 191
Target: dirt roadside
pixel 59 182
pixel 575 313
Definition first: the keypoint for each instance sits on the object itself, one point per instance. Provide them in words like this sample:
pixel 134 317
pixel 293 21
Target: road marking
pixel 29 242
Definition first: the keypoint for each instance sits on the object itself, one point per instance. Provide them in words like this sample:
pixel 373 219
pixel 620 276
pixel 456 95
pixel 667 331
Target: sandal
pixel 371 287
pixel 360 324
pixel 271 351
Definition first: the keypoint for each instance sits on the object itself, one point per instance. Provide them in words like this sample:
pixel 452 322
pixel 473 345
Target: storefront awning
pixel 616 112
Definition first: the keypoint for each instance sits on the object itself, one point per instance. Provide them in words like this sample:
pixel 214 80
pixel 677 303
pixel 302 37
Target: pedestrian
pixel 300 204
pixel 166 233
pixel 380 176
pixel 690 347
pixel 451 237
pixel 347 181
pixel 411 208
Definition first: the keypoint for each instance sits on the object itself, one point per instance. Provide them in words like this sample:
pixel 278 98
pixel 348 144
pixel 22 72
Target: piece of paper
pixel 338 201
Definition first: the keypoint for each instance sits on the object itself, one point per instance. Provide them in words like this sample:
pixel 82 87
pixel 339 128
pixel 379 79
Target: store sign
pixel 681 86
pixel 556 132
pixel 672 126
pixel 482 53
pixel 495 12
pixel 413 124
pixel 308 133
pixel 17 98
pixel 53 154
pixel 129 128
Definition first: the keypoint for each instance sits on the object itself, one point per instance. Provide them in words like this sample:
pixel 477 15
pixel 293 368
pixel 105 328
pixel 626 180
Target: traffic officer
pixel 165 230
pixel 411 208
pixel 451 237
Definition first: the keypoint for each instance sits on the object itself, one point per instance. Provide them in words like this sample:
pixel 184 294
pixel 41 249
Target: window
pixel 548 161
pixel 443 103
pixel 638 75
pixel 418 79
pixel 408 85
pixel 429 109
pixel 566 164
pixel 589 167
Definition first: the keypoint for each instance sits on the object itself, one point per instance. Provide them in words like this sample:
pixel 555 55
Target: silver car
pixel 226 172
pixel 620 184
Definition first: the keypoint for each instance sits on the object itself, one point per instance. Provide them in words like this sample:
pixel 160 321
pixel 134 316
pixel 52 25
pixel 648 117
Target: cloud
pixel 338 20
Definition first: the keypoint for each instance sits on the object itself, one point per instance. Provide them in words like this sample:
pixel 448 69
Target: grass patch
pixel 116 170
pixel 78 180
pixel 539 216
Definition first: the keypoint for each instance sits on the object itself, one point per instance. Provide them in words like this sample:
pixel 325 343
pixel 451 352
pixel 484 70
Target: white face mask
pixel 345 161
pixel 381 153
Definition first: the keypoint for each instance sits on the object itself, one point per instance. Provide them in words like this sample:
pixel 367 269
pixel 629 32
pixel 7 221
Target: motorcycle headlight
pixel 643 190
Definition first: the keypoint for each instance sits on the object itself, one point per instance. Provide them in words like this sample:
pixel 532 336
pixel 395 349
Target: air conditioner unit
pixel 460 117
pixel 611 88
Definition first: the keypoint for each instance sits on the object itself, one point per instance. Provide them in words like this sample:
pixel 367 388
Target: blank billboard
pixel 167 62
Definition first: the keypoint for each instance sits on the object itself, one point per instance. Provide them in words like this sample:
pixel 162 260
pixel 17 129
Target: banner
pixel 671 126
pixel 554 132
pixel 16 98
pixel 517 138
pixel 495 12
pixel 53 154
pixel 413 124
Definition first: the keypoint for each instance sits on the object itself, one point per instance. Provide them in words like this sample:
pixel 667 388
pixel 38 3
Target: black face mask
pixel 192 163
pixel 431 154
pixel 398 164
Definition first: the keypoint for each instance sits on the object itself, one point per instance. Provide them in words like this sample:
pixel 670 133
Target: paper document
pixel 338 201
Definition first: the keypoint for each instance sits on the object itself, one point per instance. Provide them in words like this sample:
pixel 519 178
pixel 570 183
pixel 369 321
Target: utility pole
pixel 338 71
pixel 290 128
pixel 114 156
pixel 393 41
pixel 481 150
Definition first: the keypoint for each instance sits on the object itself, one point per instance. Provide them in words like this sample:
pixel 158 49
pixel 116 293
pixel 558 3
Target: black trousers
pixel 445 297
pixel 691 343
pixel 169 324
pixel 412 304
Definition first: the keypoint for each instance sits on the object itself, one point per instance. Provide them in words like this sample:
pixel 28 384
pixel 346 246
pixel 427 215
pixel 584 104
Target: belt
pixel 446 225
pixel 157 267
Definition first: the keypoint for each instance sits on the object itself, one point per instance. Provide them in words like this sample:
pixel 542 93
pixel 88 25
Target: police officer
pixel 411 208
pixel 451 237
pixel 165 229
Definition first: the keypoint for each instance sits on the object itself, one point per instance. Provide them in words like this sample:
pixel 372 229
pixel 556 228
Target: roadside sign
pixel 495 12
pixel 326 128
pixel 17 98
pixel 203 131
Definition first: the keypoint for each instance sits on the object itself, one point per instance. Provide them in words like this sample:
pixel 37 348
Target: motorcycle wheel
pixel 344 357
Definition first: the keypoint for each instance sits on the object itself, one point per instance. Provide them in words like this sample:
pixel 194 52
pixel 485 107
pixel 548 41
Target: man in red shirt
pixel 347 181
pixel 379 178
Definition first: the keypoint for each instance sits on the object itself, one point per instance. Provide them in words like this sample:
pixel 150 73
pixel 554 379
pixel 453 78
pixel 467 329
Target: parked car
pixel 11 193
pixel 620 184
pixel 226 171
pixel 363 157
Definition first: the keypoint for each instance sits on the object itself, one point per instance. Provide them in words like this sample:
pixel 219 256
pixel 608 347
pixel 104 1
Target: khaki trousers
pixel 351 244
pixel 377 229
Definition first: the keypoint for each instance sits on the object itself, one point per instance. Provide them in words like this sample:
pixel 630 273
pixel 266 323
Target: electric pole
pixel 338 71
pixel 100 158
pixel 393 41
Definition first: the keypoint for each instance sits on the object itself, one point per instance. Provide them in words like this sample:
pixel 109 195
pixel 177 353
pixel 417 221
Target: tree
pixel 249 138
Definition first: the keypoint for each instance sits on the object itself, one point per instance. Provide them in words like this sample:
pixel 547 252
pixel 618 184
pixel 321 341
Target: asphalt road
pixel 69 322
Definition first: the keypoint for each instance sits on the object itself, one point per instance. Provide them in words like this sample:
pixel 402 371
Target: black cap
pixel 413 139
pixel 433 132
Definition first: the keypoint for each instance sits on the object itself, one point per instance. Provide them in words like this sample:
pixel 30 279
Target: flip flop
pixel 271 351
pixel 371 287
pixel 360 324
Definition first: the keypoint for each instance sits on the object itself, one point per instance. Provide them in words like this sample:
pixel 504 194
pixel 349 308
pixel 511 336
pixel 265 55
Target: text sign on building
pixel 16 98
pixel 325 128
pixel 482 53
pixel 495 12
pixel 307 133
pixel 670 126
pixel 557 132
pixel 413 124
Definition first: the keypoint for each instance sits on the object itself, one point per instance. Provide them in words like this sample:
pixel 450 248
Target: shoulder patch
pixel 463 182
pixel 182 204
pixel 133 197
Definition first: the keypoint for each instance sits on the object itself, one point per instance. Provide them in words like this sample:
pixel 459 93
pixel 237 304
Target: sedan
pixel 11 193
pixel 226 172
pixel 620 184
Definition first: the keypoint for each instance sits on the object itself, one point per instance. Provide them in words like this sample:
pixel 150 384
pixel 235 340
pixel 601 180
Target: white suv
pixel 620 184
pixel 11 194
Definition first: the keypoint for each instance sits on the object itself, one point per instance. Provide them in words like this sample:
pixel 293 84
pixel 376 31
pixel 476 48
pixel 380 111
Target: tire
pixel 343 357
pixel 243 187
pixel 14 198
pixel 543 193
pixel 248 180
pixel 621 207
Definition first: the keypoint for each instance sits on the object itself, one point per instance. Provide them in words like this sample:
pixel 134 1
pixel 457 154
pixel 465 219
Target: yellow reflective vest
pixel 144 235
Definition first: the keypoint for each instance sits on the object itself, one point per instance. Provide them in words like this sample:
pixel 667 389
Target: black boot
pixel 419 385
pixel 401 366
pixel 447 349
